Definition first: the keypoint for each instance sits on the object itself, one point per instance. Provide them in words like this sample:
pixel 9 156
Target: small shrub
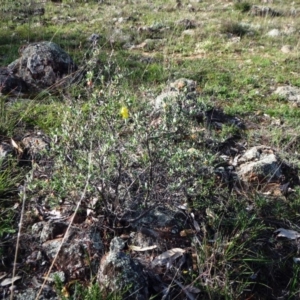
pixel 234 28
pixel 242 6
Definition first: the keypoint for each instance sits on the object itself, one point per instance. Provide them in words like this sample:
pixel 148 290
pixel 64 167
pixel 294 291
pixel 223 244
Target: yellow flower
pixel 124 112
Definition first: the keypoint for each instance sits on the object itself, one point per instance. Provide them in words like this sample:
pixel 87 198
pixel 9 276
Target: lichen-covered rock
pixel 183 84
pixel 264 11
pixel 165 98
pixel 11 84
pixel 259 164
pixel 31 294
pixel 121 38
pixel 290 93
pixel 187 23
pixel 182 90
pixel 43 65
pixel 35 146
pixel 49 230
pixel 72 255
pixel 119 272
pixel 274 33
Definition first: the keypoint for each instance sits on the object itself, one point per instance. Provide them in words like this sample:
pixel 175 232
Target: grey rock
pixel 120 38
pixel 183 85
pixel 273 33
pixel 118 272
pixel 290 93
pixel 289 30
pixel 189 32
pixel 165 99
pixel 94 38
pixel 144 238
pixel 178 90
pixel 35 146
pixel 259 164
pixel 37 228
pixel 149 44
pixel 61 275
pixel 72 255
pixel 43 65
pixel 31 294
pixel 51 229
pixel 286 49
pixel 160 217
pixel 264 11
pixel 187 24
pixel 116 244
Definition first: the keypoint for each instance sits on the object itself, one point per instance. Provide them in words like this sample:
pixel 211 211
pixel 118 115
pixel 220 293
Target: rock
pixel 273 33
pixel 259 164
pixel 158 223
pixel 182 94
pixel 148 44
pixel 61 275
pixel 34 258
pixel 11 84
pixel 290 93
pixel 72 256
pixel 35 146
pixel 164 98
pixel 119 272
pixel 159 217
pixel 43 65
pixel 189 32
pixel 264 11
pixel 183 85
pixel 31 294
pixel 144 238
pixel 94 38
pixel 286 48
pixel 178 90
pixel 49 230
pixel 120 38
pixel 187 24
pixel 289 29
pixel 234 39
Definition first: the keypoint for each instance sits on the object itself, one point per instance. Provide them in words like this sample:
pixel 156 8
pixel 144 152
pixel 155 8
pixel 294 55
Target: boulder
pixel 182 90
pixel 34 146
pixel 72 255
pixel 259 164
pixel 118 272
pixel 274 33
pixel 43 65
pixel 264 11
pixel 290 93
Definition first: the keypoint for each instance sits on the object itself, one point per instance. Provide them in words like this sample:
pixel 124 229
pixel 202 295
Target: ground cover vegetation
pixel 151 147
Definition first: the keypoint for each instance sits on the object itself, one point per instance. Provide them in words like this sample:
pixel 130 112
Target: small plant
pixel 234 28
pixel 9 176
pixel 242 6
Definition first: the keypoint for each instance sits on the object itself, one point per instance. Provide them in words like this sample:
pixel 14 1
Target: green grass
pixel 136 162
